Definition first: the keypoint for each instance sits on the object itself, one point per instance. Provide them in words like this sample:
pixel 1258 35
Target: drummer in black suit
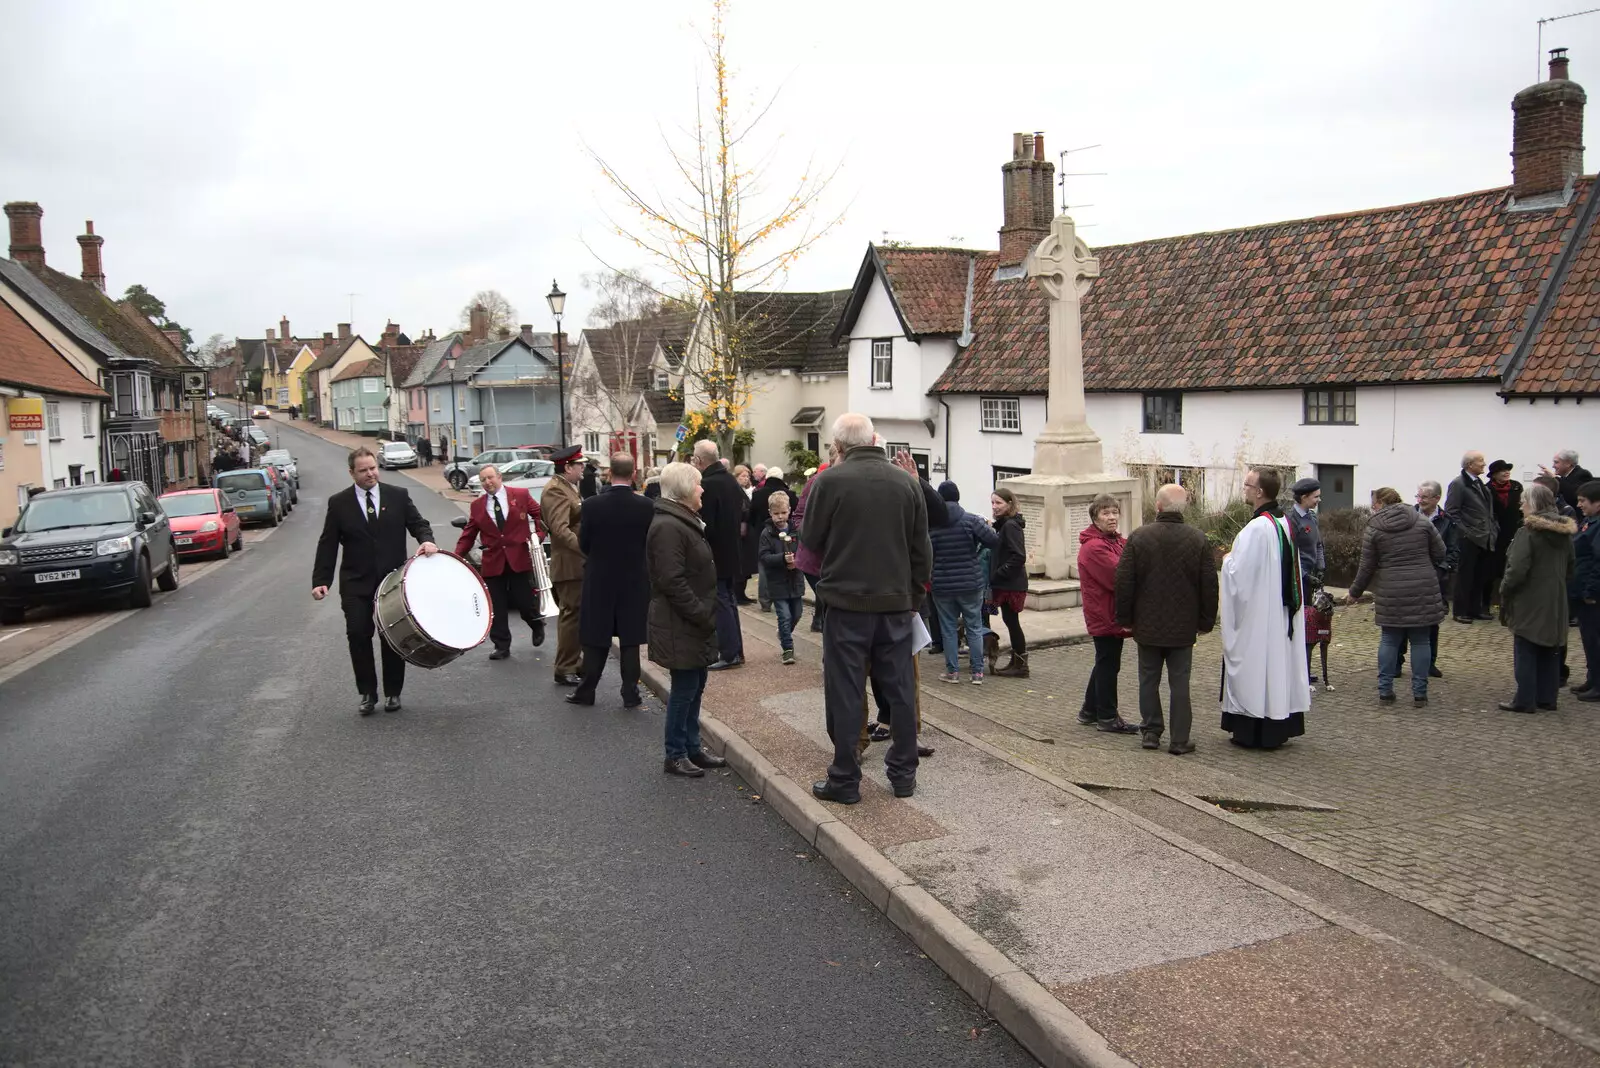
pixel 612 528
pixel 371 524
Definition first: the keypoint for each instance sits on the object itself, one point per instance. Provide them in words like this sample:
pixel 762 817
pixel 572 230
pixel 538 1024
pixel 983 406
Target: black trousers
pixel 1473 574
pixel 594 665
pixel 855 644
pixel 359 628
pixel 1100 696
pixel 1019 641
pixel 511 589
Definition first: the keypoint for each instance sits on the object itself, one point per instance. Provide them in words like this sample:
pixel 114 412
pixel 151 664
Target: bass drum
pixel 432 609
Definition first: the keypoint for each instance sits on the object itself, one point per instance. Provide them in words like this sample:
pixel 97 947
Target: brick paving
pixel 1485 817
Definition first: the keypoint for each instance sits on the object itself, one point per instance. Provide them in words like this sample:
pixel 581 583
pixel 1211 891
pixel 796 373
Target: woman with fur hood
pixel 1533 600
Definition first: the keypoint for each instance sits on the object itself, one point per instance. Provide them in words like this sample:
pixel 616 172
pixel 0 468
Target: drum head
pixel 447 599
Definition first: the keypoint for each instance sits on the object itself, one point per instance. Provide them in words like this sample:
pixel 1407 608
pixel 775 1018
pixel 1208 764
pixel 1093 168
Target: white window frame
pixel 663 381
pixel 372 413
pixel 52 420
pixel 370 385
pixel 881 364
pixel 1000 415
pixel 87 415
pixel 436 404
pixel 591 436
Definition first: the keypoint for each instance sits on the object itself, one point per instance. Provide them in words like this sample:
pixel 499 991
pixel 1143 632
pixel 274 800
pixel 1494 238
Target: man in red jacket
pixel 506 519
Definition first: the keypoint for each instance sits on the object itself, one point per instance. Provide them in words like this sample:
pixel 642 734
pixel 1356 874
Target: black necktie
pixel 499 516
pixel 372 513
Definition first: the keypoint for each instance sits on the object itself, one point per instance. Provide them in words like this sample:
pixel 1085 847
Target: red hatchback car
pixel 203 523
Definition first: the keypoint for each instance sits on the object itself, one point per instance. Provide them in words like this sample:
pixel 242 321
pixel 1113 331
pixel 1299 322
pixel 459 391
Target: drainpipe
pixel 945 405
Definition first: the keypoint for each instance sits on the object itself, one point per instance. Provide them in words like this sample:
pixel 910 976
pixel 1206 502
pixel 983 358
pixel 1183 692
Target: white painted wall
pixel 75 446
pixel 1402 435
pixel 774 400
pixel 916 366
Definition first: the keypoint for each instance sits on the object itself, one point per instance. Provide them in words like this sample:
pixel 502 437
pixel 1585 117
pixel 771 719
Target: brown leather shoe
pixel 703 759
pixel 682 766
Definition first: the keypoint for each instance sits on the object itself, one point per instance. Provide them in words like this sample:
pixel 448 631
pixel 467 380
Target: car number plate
pixel 183 541
pixel 244 507
pixel 56 576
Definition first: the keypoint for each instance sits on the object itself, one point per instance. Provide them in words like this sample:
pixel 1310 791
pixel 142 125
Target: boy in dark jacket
pixel 785 584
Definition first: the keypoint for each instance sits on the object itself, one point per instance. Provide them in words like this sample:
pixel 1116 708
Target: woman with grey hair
pixel 1533 600
pixel 683 606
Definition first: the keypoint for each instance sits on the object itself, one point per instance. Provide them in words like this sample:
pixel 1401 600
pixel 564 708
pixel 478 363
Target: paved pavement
pixel 1483 816
pixel 1182 947
pixel 208 858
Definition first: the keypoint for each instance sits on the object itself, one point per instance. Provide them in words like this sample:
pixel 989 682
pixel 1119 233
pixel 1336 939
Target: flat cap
pixel 1304 486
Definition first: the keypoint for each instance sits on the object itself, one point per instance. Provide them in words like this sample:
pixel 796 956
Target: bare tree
pixel 210 352
pixel 721 235
pixel 627 319
pixel 502 314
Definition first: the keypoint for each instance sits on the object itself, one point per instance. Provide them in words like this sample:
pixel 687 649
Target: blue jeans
pixel 683 711
pixel 789 610
pixel 952 610
pixel 1394 639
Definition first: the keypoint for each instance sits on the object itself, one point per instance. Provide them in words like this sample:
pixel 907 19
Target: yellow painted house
pixel 283 378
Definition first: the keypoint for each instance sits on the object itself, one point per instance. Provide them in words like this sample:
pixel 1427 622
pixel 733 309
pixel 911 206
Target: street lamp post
pixel 455 418
pixel 558 303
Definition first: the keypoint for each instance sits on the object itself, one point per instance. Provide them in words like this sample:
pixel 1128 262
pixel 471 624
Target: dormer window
pixel 883 363
pixel 663 381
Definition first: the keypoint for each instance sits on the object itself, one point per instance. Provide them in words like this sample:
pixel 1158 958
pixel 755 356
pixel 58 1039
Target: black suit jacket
pixel 612 529
pixel 371 550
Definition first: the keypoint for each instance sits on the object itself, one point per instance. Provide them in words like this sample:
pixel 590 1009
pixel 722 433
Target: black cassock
pixel 612 528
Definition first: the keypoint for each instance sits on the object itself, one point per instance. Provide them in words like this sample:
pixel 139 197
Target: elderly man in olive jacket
pixel 1166 593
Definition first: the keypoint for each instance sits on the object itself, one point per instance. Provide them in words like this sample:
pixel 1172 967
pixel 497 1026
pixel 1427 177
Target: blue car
pixel 254 495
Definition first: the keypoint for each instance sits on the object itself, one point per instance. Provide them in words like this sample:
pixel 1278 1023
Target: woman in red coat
pixel 1099 549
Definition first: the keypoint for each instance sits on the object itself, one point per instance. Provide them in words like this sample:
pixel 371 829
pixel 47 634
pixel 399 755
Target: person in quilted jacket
pixel 959 580
pixel 1099 550
pixel 1401 554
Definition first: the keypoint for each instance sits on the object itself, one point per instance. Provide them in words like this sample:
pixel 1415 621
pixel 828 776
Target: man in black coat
pixel 722 509
pixel 1569 475
pixel 612 528
pixel 1467 500
pixel 370 523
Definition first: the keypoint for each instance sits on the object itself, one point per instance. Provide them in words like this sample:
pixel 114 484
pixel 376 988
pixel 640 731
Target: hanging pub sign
pixel 25 413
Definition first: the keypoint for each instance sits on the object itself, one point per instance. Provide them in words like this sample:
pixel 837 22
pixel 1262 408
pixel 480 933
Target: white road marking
pixel 12 634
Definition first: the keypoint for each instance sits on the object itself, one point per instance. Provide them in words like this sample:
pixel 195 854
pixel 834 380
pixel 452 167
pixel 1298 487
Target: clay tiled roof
pixel 109 318
pixel 28 361
pixel 793 331
pixel 664 407
pixel 372 368
pixel 1562 352
pixel 430 359
pixel 1432 292
pixel 331 354
pixel 622 352
pixel 927 286
pixel 403 359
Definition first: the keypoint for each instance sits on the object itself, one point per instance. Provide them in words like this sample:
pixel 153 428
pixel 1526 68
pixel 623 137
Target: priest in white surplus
pixel 1265 689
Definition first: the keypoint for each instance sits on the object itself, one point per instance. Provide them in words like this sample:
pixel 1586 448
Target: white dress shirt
pixel 361 500
pixel 505 503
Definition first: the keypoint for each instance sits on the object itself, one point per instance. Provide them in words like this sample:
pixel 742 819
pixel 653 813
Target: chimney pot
pixel 89 244
pixel 1547 133
pixel 27 244
pixel 272 335
pixel 1028 181
pixel 327 336
pixel 283 328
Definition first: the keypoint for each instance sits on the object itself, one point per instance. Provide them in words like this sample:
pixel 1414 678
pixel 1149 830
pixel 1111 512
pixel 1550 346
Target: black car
pixel 87 542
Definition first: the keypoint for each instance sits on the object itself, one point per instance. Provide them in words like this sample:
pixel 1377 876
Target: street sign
pixel 25 413
pixel 682 433
pixel 194 383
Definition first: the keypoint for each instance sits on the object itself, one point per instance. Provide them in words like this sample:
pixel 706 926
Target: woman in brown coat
pixel 683 605
pixel 1400 551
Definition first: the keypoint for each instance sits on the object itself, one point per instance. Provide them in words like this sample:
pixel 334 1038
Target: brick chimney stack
pixel 283 328
pixel 94 271
pixel 344 331
pixel 479 328
pixel 1029 183
pixel 27 242
pixel 271 335
pixel 1547 132
pixel 174 336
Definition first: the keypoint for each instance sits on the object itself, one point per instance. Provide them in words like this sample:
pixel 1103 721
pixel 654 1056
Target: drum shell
pixel 402 632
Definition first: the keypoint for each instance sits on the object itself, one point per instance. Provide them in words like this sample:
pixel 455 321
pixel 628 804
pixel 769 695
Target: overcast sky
pixel 250 161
